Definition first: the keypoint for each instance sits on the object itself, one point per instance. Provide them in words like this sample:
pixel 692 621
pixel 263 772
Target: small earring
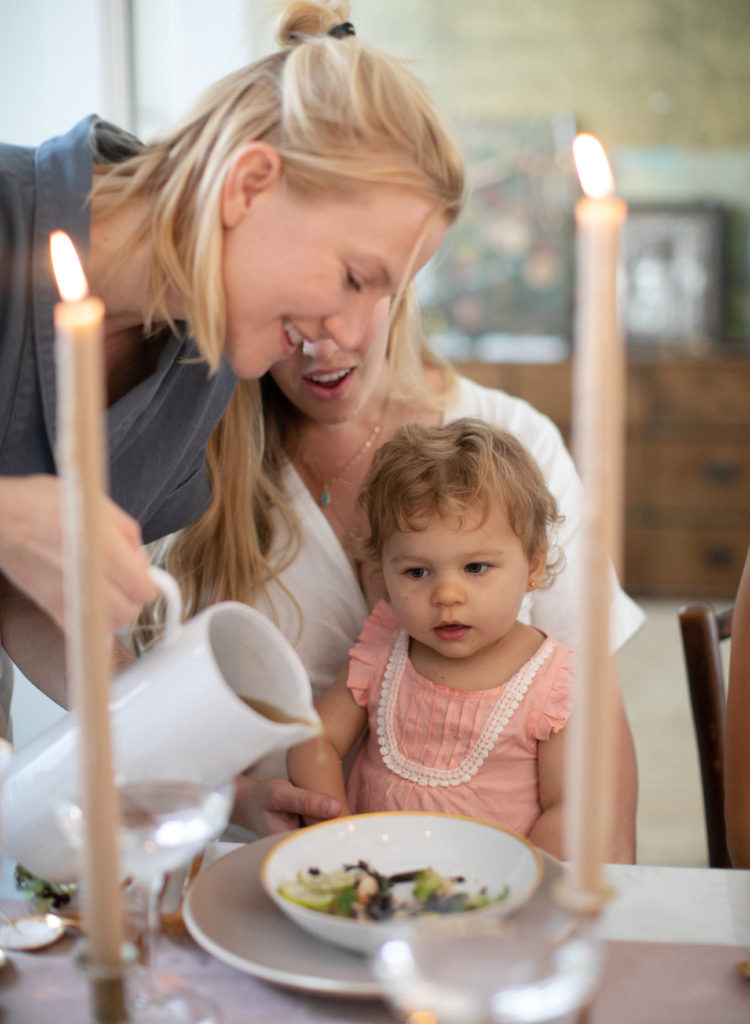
pixel 532 584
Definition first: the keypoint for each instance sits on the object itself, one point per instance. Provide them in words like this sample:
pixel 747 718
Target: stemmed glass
pixel 538 964
pixel 164 824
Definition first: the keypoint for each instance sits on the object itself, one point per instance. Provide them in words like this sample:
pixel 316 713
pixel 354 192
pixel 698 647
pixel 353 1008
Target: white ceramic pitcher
pixel 176 713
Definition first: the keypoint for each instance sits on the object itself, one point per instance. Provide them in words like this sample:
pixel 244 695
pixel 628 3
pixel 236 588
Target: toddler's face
pixel 457 588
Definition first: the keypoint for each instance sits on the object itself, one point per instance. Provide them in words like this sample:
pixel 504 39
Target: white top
pixel 332 608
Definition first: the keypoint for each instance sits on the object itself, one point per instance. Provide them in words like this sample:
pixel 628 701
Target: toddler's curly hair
pixel 453 471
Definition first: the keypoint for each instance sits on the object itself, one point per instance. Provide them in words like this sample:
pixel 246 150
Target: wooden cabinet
pixel 687 465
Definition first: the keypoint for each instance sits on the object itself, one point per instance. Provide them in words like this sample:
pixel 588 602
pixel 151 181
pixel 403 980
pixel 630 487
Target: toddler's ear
pixel 536 569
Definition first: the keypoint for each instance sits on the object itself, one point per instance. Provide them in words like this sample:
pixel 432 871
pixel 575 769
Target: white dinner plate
pixel 229 915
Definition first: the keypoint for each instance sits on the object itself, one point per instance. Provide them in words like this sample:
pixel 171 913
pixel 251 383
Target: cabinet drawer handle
pixel 721 471
pixel 719 556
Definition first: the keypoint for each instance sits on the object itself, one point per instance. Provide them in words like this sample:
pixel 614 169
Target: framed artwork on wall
pixel 502 284
pixel 673 269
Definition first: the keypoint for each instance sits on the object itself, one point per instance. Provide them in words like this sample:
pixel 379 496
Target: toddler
pixel 466 706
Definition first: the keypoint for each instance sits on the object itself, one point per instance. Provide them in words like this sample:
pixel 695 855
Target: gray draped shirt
pixel 156 433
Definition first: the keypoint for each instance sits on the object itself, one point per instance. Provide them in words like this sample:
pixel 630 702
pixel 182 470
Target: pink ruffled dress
pixel 436 748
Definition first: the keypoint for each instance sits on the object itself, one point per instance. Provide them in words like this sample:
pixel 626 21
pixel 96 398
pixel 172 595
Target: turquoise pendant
pixel 325 498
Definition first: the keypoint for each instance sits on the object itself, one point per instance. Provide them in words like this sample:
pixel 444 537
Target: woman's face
pixel 331 385
pixel 303 273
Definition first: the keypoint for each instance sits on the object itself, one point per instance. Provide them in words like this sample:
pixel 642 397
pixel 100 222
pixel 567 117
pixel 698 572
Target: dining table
pixel 673 940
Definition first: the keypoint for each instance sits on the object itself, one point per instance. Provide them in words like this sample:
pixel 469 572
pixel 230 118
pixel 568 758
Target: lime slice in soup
pixel 306 897
pixel 330 881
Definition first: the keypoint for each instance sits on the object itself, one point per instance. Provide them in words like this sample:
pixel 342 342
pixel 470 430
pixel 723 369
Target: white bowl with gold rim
pixel 485 856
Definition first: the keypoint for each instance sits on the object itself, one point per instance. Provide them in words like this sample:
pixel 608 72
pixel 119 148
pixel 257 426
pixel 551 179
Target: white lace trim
pixel 513 693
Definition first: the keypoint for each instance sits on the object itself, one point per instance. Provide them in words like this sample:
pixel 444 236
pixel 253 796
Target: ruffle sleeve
pixel 561 696
pixel 368 657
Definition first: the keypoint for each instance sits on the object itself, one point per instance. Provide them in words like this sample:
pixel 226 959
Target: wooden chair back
pixel 703 629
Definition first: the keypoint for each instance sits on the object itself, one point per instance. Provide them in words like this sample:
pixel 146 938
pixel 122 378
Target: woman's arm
pixel 33 642
pixel 737 758
pixel 36 644
pixel 32 607
pixel 625 803
pixel 31 557
pixel 317 764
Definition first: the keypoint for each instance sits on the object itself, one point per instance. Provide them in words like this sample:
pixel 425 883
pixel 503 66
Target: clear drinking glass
pixel 538 964
pixel 163 825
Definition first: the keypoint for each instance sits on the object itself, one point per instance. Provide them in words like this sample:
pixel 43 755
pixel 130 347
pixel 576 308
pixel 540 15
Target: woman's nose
pixel 349 327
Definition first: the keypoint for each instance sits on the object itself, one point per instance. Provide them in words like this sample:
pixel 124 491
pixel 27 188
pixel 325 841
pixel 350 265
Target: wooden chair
pixel 702 630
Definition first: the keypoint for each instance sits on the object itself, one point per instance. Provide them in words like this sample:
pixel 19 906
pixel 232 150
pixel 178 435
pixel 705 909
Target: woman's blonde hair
pixel 453 471
pixel 340 113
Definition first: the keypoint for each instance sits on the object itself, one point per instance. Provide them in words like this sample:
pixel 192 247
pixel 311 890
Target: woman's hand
pixel 267 806
pixel 31 549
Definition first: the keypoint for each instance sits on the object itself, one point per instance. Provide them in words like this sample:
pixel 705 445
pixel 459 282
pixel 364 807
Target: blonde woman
pixel 285 539
pixel 297 194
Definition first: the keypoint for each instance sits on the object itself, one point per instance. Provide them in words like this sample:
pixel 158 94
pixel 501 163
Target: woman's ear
pixel 255 167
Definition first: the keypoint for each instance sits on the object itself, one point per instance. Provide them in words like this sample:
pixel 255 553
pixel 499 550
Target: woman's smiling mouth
pixel 328 380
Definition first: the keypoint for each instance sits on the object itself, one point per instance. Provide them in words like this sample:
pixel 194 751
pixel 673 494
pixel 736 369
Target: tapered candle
pixel 78 337
pixel 598 447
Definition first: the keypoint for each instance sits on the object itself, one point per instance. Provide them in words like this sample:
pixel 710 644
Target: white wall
pixel 59 62
pixel 63 59
pixel 182 46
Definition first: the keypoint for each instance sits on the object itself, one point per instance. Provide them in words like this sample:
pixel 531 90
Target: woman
pixel 295 195
pixel 737 763
pixel 325 413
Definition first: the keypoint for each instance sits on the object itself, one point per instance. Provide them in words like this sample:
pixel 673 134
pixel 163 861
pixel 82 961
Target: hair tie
pixel 340 31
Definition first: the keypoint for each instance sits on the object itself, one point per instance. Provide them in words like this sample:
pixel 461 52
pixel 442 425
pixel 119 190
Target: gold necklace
pixel 326 498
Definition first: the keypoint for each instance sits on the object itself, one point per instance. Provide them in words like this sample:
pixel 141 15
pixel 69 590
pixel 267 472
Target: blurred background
pixel 664 86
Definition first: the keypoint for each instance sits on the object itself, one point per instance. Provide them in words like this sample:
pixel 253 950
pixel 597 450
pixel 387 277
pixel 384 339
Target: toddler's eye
pixel 476 568
pixel 417 573
pixel 352 282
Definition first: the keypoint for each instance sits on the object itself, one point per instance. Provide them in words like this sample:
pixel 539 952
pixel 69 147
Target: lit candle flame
pixel 593 167
pixel 71 281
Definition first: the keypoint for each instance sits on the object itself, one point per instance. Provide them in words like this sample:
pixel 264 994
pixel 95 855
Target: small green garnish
pixel 427 883
pixel 42 895
pixel 344 901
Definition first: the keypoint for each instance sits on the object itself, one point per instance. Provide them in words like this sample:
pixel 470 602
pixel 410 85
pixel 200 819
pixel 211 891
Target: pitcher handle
pixel 171 591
